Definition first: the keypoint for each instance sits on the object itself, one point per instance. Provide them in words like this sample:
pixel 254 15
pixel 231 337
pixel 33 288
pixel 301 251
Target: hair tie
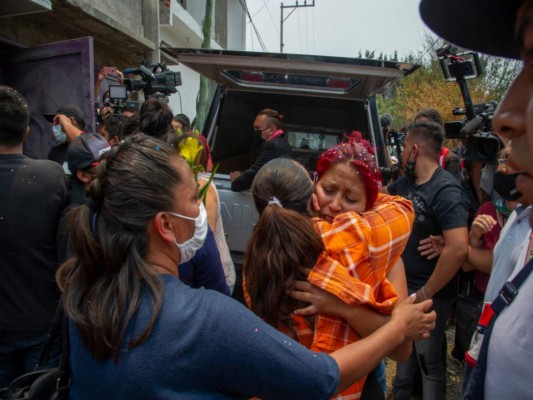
pixel 274 200
pixel 94 218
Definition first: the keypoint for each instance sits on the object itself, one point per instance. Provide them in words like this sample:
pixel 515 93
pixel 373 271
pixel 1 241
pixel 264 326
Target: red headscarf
pixel 359 153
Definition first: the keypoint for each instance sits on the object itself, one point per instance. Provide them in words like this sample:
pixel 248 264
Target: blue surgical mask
pixel 189 248
pixel 61 137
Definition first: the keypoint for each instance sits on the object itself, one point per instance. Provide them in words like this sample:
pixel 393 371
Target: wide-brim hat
pixel 486 26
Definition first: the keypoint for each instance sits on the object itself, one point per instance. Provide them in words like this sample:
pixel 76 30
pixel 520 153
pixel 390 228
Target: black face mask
pixel 505 185
pixel 409 167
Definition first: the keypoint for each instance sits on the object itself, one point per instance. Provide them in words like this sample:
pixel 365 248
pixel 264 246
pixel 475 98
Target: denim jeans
pixel 427 354
pixel 20 351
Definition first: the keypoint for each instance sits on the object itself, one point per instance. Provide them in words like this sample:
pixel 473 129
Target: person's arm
pixel 277 367
pixel 452 257
pixel 478 259
pixel 244 180
pixel 364 320
pixel 66 124
pixel 359 358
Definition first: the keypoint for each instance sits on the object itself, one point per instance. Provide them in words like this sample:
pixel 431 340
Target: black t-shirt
pixel 440 204
pixel 59 153
pixel 33 194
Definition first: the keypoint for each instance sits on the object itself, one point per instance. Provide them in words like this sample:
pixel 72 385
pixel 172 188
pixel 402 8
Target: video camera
pixel 156 79
pixel 476 129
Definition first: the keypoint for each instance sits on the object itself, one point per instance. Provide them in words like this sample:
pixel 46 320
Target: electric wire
pixel 259 38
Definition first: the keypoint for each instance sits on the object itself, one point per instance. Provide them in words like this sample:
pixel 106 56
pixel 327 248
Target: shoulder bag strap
pixel 507 294
pixel 52 335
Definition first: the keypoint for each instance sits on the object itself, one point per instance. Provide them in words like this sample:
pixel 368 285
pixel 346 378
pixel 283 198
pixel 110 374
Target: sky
pixel 338 27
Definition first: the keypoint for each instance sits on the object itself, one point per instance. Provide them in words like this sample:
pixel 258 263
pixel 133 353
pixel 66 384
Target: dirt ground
pixel 454 381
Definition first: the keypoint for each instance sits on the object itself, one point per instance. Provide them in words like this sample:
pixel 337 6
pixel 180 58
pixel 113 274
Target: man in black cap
pixel 68 123
pixel 83 154
pixel 505 29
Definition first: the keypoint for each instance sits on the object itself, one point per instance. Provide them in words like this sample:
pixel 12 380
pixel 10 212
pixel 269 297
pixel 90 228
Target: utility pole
pixel 282 20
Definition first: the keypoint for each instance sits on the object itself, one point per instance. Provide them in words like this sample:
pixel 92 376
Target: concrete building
pixel 50 50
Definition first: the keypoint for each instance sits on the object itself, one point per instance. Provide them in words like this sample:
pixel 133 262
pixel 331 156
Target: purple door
pixel 50 76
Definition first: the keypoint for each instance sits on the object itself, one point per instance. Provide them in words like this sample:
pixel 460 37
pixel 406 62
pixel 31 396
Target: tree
pixel 426 87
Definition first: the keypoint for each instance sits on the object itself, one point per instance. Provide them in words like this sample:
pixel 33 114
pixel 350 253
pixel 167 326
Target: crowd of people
pixel 341 271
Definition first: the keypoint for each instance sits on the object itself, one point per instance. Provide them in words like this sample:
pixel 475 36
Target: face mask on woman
pixel 505 186
pixel 60 136
pixel 189 248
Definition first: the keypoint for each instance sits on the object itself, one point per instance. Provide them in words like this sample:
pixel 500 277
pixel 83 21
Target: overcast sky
pixel 338 27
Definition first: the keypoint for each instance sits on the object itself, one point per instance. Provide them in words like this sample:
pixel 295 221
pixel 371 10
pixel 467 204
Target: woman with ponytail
pixel 352 248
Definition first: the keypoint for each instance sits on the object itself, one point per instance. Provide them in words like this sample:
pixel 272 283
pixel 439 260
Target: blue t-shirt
pixel 204 345
pixel 440 204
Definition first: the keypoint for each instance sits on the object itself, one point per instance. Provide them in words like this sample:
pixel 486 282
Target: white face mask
pixel 189 248
pixel 60 136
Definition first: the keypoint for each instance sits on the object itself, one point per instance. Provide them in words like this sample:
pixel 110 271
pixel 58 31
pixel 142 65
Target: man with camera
pixel 502 29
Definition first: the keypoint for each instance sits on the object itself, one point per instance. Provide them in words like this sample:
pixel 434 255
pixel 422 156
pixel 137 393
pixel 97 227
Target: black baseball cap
pixel 487 26
pixel 69 110
pixel 86 150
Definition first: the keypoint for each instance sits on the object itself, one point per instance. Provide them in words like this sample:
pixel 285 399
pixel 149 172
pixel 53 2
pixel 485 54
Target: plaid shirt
pixel 361 249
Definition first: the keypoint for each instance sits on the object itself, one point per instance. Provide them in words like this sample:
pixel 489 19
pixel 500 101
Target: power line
pixel 272 19
pixel 263 6
pixel 259 38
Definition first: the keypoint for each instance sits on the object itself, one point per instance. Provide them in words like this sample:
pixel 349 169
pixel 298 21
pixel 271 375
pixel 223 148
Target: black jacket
pixel 270 150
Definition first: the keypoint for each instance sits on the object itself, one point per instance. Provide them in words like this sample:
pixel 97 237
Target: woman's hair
pixel 184 121
pixel 283 241
pixel 156 118
pixel 359 153
pixel 103 284
pixel 273 117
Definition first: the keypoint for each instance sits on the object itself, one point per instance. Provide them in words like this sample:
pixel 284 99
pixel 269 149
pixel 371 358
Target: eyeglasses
pixel 502 161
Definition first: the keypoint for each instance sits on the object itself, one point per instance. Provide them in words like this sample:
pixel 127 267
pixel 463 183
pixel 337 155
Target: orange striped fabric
pixel 361 249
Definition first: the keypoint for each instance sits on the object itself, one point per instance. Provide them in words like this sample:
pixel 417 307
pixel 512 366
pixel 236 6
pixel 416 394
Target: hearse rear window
pixel 257 79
